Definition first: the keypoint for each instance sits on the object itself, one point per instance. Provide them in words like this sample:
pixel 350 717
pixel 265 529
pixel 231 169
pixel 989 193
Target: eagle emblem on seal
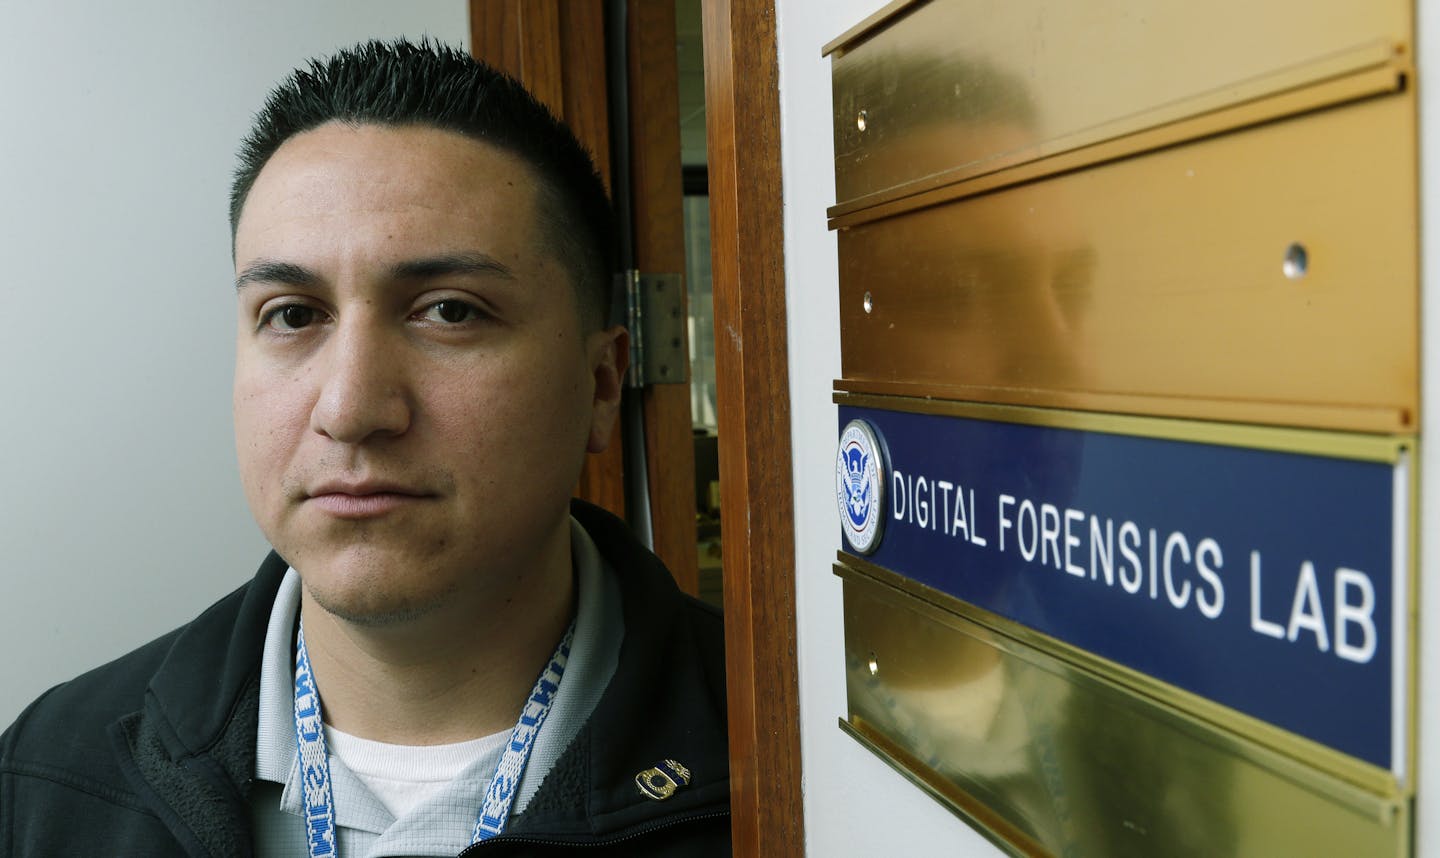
pixel 858 481
pixel 860 485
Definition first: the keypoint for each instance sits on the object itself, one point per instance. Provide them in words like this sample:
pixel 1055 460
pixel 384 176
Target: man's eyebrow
pixel 270 271
pixel 452 263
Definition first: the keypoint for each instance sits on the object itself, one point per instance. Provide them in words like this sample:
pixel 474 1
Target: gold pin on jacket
pixel 663 779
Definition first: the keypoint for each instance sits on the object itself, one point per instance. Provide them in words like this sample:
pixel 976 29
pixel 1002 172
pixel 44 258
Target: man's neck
pixel 459 672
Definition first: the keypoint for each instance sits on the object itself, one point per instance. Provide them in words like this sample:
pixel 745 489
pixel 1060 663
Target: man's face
pixel 414 392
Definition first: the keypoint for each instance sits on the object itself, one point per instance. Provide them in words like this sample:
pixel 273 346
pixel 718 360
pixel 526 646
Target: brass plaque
pixel 1051 758
pixel 1266 276
pixel 910 90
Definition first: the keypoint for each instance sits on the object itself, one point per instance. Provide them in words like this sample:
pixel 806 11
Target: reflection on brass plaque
pixel 1047 758
pixel 1165 284
pixel 909 93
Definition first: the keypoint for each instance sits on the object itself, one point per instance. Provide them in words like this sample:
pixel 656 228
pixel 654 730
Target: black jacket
pixel 154 754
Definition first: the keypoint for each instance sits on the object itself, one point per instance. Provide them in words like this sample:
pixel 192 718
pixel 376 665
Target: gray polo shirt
pixel 441 825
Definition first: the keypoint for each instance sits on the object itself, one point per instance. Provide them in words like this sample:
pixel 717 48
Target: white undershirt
pixel 404 776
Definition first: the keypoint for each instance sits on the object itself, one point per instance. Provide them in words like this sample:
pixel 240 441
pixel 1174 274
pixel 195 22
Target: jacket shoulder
pixel 664 706
pixel 57 761
pixel 65 732
pixel 68 777
pixel 703 625
pixel 70 719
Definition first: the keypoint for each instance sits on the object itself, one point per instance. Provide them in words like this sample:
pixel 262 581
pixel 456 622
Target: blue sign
pixel 1264 581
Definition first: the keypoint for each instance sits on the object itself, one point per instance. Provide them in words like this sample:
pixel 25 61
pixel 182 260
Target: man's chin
pixel 375 607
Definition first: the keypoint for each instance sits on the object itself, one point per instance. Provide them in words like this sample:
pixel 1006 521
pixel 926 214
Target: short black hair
pixel 402 83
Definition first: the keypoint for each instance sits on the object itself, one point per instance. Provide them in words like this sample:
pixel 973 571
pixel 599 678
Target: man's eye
pixel 451 312
pixel 290 317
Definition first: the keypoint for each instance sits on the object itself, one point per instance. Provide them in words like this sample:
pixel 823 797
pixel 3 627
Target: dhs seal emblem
pixel 860 486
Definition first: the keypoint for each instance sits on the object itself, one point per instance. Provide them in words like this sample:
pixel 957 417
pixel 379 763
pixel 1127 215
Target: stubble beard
pixel 375 614
pixel 368 597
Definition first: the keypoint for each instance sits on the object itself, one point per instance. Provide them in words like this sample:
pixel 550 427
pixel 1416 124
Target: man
pixel 449 652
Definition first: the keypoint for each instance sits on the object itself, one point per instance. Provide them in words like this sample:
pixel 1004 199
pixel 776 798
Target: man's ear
pixel 609 352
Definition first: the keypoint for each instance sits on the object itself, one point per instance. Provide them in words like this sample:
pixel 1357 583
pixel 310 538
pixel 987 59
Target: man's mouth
pixel 362 499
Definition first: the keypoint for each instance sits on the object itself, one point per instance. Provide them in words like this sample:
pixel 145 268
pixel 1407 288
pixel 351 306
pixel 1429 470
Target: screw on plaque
pixel 663 779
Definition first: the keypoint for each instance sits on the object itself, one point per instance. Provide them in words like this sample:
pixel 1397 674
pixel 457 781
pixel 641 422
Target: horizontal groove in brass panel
pixel 1113 143
pixel 1302 761
pixel 1339 445
pixel 932 73
pixel 1163 277
pixel 1375 420
pixel 868 26
pixel 990 824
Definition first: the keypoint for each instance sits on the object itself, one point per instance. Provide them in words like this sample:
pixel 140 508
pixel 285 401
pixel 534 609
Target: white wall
pixel 1428 797
pixel 121 514
pixel 855 805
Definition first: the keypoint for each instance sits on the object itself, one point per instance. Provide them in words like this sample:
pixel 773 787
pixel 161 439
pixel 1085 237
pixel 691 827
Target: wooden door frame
pixel 545 41
pixel 757 511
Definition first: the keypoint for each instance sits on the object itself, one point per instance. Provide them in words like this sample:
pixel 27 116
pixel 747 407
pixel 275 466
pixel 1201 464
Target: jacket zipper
pixel 521 839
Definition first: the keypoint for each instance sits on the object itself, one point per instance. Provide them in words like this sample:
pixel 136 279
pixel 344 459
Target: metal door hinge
pixel 655 315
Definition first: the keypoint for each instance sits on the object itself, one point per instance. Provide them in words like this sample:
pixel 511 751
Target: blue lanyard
pixel 318 803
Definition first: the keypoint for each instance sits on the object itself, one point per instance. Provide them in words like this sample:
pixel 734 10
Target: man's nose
pixel 362 390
